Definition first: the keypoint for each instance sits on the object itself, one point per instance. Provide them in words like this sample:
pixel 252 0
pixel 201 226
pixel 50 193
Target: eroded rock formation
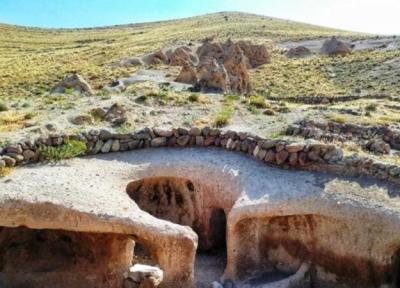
pixel 221 67
pixel 188 75
pixel 75 82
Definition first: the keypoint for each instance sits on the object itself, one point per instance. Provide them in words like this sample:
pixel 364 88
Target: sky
pixel 373 16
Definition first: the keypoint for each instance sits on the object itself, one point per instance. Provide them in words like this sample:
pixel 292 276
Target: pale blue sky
pixel 374 16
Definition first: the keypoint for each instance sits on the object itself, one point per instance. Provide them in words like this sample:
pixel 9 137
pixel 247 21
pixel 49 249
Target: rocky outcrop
pixel 298 52
pixel 221 67
pixel 74 82
pixel 256 54
pixel 188 75
pixel 213 76
pixel 235 63
pixel 181 55
pixel 335 47
pixel 224 67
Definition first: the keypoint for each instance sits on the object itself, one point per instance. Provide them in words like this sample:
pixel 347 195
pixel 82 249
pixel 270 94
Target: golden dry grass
pixel 32 60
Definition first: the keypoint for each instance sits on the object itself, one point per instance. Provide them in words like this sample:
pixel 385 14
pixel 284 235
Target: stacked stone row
pixel 275 152
pixel 325 130
pixel 316 100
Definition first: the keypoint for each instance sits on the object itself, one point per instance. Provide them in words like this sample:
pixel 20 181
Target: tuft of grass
pixel 69 91
pixel 30 115
pixel 4 171
pixel 70 149
pixel 258 101
pixel 198 98
pixel 124 128
pixel 10 121
pixel 190 119
pixel 339 118
pixel 231 97
pixel 223 116
pixel 276 134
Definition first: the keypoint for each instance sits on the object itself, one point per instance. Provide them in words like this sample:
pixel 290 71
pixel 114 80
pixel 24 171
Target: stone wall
pixel 378 139
pixel 308 154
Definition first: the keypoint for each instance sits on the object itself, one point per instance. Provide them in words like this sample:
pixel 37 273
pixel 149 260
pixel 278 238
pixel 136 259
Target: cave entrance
pixel 396 270
pixel 57 258
pixel 180 201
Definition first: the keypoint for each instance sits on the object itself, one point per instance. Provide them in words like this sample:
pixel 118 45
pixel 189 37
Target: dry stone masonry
pixel 309 154
pixel 378 139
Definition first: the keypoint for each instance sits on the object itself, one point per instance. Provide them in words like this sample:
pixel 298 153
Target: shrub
pixel 371 107
pixel 258 102
pixel 193 97
pixel 3 107
pixel 70 149
pixel 4 171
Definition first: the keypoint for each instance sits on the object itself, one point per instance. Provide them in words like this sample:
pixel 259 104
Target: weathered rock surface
pixel 181 55
pixel 75 82
pixel 256 54
pixel 213 76
pixel 213 66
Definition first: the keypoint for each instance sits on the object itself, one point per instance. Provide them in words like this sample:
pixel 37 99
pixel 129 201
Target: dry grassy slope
pixel 31 60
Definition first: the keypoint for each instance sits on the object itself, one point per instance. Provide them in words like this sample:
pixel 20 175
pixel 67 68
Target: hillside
pixel 360 88
pixel 32 60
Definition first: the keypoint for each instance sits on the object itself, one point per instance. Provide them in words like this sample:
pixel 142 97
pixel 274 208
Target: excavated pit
pixel 182 202
pixel 201 215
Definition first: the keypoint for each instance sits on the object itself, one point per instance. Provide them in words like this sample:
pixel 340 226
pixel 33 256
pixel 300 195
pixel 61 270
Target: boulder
pixel 82 119
pixel 379 146
pixel 75 82
pixel 335 47
pixel 116 86
pixel 116 114
pixel 298 52
pixel 144 274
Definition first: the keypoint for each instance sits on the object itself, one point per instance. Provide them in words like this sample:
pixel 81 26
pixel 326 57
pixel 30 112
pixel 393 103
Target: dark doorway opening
pixel 396 270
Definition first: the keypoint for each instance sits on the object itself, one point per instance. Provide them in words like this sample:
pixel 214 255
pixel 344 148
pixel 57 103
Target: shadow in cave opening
pixel 180 201
pixel 210 263
pixel 396 270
